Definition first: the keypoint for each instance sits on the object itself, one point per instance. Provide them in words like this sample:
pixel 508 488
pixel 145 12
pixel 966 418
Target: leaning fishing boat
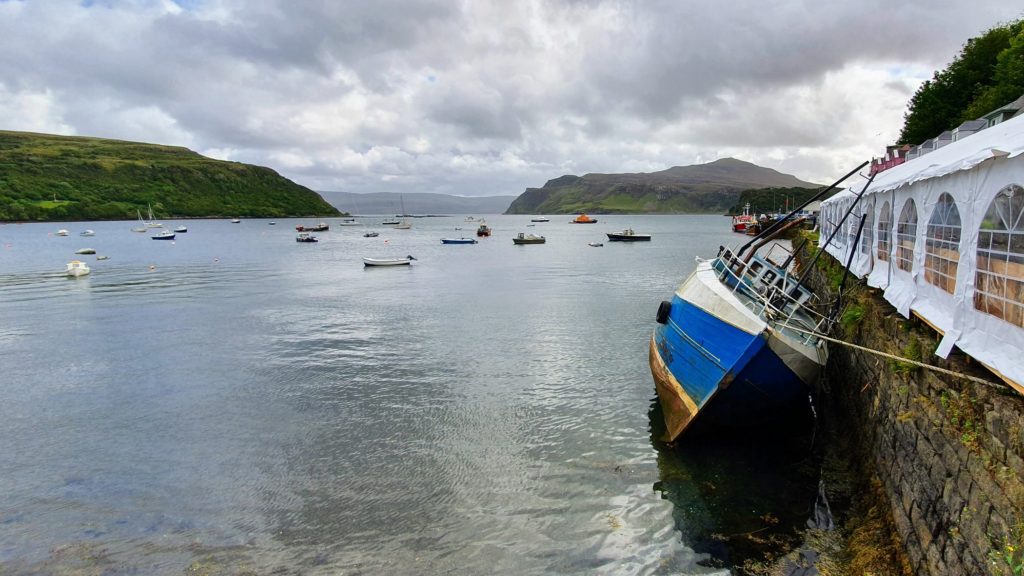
pixel 738 343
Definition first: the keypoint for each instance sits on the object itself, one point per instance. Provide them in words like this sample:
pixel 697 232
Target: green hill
pixel 702 188
pixel 48 177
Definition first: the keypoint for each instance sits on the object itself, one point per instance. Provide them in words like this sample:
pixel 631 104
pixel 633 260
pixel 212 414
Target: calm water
pixel 237 402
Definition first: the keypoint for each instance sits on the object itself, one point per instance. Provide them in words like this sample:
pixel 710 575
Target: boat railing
pixel 770 292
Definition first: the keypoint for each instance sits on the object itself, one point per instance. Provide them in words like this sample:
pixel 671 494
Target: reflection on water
pixel 236 402
pixel 742 495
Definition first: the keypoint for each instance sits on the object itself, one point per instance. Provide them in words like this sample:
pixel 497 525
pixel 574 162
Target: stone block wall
pixel 949 452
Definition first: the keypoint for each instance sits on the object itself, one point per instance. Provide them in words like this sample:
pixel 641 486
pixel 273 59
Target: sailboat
pixel 152 223
pixel 405 224
pixel 142 223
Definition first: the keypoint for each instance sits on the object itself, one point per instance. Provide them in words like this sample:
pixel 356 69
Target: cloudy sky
pixel 482 97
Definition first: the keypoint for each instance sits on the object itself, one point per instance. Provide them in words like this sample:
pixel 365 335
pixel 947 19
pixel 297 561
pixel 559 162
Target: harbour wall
pixel 948 452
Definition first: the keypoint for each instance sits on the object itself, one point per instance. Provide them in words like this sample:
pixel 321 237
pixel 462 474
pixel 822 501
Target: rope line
pixel 948 372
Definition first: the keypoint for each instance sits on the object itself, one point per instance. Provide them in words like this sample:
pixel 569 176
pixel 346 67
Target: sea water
pixel 237 402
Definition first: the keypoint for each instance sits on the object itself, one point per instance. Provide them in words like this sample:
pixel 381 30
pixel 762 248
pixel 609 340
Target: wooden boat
pixel 483 230
pixel 583 219
pixel 628 235
pixel 458 241
pixel 77 268
pixel 388 261
pixel 305 237
pixel 165 235
pixel 528 239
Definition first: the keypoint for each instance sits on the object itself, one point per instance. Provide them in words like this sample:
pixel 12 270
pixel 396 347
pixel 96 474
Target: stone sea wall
pixel 949 453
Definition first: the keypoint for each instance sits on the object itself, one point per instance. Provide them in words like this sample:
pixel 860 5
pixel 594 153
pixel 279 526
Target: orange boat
pixel 583 219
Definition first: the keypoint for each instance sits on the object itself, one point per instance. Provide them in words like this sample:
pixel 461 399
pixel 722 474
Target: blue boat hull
pixel 705 366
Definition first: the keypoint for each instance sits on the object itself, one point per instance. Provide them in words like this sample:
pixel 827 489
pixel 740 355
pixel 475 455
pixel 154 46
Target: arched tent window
pixel 885 233
pixel 866 237
pixel 906 235
pixel 942 244
pixel 999 285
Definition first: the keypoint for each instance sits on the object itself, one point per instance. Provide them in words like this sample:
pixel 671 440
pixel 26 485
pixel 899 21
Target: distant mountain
pixel 49 177
pixel 700 188
pixel 417 203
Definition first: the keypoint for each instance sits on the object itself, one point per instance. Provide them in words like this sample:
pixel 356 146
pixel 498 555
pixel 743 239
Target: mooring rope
pixel 917 363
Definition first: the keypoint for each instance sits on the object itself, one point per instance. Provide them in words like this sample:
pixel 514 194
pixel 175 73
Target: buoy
pixel 152 267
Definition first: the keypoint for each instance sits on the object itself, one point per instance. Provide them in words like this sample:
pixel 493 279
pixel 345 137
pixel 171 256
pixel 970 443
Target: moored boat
pixel 628 235
pixel 483 230
pixel 85 251
pixel 388 261
pixel 731 344
pixel 741 222
pixel 595 244
pixel 583 219
pixel 740 342
pixel 540 219
pixel 305 237
pixel 165 235
pixel 87 233
pixel 61 232
pixel 318 227
pixel 371 235
pixel 236 220
pixel 180 230
pixel 77 268
pixel 458 241
pixel 528 239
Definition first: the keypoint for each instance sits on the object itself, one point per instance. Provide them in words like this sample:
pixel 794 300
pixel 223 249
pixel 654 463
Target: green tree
pixel 1009 80
pixel 942 102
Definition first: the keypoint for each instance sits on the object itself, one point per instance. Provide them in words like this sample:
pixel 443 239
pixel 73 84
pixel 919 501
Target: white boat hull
pixel 386 262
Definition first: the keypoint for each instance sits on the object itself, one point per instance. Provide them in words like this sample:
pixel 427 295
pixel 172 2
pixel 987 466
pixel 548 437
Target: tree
pixel 942 102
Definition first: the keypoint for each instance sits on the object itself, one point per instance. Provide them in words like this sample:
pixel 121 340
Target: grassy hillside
pixel 48 177
pixel 703 188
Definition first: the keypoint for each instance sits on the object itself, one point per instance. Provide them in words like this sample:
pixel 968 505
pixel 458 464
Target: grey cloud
pixel 478 97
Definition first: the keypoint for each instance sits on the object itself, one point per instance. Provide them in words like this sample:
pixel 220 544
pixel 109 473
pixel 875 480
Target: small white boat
pixel 305 237
pixel 272 223
pixel 62 232
pixel 388 261
pixel 87 233
pixel 77 268
pixel 152 223
pixel 142 223
pixel 350 222
pixel 236 220
pixel 541 219
pixel 85 251
pixel 371 235
pixel 595 244
pixel 103 257
pixel 180 230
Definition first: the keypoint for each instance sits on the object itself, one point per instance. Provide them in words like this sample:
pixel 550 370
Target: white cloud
pixel 482 97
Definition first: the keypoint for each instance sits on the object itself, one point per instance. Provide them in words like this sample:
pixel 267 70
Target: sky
pixel 478 97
